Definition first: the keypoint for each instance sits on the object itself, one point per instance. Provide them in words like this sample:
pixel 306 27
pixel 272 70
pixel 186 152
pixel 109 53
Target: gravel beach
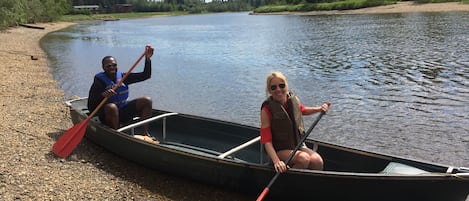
pixel 34 115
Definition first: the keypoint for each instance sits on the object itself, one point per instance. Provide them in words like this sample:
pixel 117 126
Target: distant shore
pixel 400 7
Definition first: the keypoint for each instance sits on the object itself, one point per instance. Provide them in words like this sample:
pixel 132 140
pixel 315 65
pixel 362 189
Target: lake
pixel 398 83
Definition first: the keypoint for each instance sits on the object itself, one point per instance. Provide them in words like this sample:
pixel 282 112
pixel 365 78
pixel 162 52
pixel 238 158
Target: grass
pixel 338 5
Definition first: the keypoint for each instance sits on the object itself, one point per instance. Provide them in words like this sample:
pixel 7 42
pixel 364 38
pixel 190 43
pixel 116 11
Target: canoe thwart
pixel 145 121
pixel 242 146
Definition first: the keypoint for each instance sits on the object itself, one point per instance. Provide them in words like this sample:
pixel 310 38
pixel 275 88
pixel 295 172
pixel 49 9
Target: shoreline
pixel 399 7
pixel 34 115
pixel 32 118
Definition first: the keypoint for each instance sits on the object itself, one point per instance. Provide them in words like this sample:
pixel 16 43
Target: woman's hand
pixel 325 107
pixel 280 166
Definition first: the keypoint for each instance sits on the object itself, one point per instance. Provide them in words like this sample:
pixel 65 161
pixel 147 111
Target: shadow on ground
pixel 170 186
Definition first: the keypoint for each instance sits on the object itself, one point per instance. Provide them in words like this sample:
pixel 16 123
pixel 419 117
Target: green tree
pixel 31 11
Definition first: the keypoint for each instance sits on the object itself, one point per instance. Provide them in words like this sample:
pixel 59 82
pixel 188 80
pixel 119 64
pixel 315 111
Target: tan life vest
pixel 287 124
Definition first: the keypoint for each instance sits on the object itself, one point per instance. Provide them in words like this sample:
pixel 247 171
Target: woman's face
pixel 278 89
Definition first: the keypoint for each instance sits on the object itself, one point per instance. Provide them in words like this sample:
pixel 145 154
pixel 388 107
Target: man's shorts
pixel 126 113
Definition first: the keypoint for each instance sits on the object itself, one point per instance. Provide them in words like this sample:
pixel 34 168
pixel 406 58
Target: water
pixel 398 83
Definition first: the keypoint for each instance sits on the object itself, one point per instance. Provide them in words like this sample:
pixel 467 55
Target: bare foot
pixel 151 139
pixel 147 138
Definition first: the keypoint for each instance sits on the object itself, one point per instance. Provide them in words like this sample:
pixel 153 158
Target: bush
pixel 31 11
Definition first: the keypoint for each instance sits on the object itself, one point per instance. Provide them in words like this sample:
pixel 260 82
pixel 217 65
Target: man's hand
pixel 149 51
pixel 108 93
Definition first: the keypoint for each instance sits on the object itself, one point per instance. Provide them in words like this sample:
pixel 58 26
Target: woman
pixel 282 126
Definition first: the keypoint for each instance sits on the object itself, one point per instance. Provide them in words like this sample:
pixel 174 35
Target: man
pixel 118 109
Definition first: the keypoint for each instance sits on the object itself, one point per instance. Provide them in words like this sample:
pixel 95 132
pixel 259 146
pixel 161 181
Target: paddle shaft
pixel 290 157
pixel 70 139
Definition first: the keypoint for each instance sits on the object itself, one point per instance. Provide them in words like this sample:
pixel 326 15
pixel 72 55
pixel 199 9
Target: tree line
pixel 13 12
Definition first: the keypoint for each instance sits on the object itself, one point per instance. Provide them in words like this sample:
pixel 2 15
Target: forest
pixel 14 12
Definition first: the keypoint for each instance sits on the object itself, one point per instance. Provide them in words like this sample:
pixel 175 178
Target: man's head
pixel 109 65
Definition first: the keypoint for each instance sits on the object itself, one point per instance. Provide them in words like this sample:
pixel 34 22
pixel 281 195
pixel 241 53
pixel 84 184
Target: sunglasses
pixel 110 65
pixel 274 87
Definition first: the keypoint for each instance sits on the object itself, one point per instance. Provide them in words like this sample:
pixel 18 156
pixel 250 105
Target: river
pixel 398 83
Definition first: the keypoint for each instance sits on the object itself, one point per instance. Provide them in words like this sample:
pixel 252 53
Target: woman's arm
pixel 311 110
pixel 266 139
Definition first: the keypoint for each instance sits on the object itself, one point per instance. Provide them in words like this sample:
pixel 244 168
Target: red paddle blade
pixel 70 139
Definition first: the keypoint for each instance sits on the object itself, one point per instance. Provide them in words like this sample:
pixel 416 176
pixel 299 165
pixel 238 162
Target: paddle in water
pixel 290 157
pixel 70 139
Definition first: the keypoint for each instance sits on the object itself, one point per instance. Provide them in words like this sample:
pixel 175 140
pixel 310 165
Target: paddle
pixel 290 157
pixel 70 139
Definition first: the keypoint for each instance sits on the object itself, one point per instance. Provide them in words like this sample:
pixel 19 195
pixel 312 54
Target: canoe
pixel 111 19
pixel 31 26
pixel 229 155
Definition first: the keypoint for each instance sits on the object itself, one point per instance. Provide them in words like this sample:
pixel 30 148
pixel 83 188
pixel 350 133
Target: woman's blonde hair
pixel 271 76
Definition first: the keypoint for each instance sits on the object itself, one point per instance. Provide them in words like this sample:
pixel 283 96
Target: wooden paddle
pixel 70 139
pixel 290 157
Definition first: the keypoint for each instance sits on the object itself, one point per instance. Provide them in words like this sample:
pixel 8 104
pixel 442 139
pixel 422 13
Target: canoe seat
pixel 399 168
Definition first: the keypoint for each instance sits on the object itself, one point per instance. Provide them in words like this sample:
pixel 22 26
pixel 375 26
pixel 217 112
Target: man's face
pixel 110 67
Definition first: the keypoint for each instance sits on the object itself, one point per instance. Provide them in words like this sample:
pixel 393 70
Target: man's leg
pixel 144 107
pixel 111 115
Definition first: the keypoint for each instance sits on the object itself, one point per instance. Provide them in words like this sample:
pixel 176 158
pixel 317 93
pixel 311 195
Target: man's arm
pixel 146 74
pixel 138 77
pixel 94 95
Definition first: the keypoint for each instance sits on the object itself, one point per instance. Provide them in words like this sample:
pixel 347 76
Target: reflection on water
pixel 399 83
